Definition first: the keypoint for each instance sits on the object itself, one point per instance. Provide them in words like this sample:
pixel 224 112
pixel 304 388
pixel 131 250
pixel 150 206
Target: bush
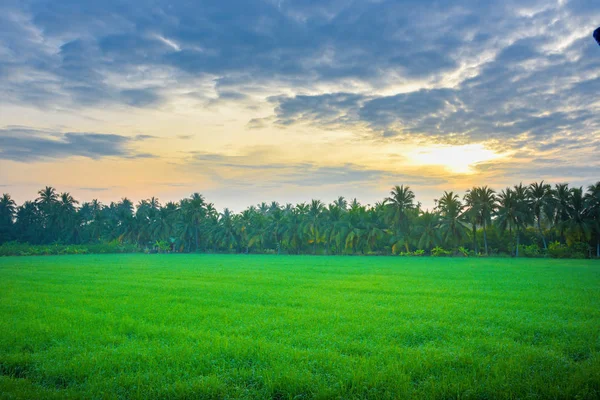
pixel 419 253
pixel 576 250
pixel 579 250
pixel 532 251
pixel 558 250
pixel 440 252
pixel 463 252
pixel 25 249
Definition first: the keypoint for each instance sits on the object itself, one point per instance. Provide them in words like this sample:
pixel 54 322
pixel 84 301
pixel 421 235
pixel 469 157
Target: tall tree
pixel 561 203
pixel 313 224
pixel 8 209
pixel 592 199
pixel 486 204
pixel 400 203
pixel 540 196
pixel 450 209
pixel 578 226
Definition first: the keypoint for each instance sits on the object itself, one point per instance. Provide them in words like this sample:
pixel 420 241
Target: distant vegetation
pixel 533 221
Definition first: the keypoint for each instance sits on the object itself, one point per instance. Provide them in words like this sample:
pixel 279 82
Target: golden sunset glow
pixel 458 159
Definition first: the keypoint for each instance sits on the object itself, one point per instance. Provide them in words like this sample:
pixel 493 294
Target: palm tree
pixel 373 227
pixel 210 226
pixel 540 196
pixel 29 223
pixel 427 230
pixel 450 209
pixel 472 213
pixel 195 214
pixel 578 226
pixel 8 209
pixel 293 235
pixel 562 198
pixel 47 196
pixel 226 235
pixel 341 203
pixel 592 199
pixel 399 205
pixel 485 206
pixel 66 217
pixel 312 227
pixel 277 225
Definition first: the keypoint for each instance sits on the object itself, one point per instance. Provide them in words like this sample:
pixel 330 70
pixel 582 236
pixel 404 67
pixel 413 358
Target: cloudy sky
pixel 248 101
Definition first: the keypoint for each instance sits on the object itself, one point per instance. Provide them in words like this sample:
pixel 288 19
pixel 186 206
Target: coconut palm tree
pixel 400 203
pixel 592 199
pixel 66 210
pixel 226 235
pixel 277 225
pixel 427 230
pixel 578 226
pixel 452 228
pixel 47 196
pixel 312 226
pixel 486 204
pixel 341 203
pixel 540 196
pixel 514 211
pixel 472 213
pixel 193 211
pixel 561 201
pixel 8 209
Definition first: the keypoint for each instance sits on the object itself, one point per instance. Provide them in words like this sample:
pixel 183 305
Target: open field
pixel 194 326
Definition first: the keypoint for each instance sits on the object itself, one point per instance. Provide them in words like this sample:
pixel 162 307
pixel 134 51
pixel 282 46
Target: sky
pixel 247 101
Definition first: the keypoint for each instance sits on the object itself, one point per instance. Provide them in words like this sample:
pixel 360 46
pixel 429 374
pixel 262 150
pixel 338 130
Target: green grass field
pixel 195 326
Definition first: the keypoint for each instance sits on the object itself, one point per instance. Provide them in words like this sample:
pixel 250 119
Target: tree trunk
pixel 196 238
pixel 598 247
pixel 542 234
pixel 485 239
pixel 475 238
pixel 517 251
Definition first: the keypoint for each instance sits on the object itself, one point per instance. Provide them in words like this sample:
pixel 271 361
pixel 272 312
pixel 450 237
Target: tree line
pixel 531 219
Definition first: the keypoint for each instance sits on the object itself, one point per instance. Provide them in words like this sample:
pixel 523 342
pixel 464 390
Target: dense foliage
pixel 533 221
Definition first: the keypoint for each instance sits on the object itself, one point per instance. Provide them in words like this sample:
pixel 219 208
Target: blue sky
pixel 246 101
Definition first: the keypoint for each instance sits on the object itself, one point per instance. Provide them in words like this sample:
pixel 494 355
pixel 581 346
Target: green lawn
pixel 195 326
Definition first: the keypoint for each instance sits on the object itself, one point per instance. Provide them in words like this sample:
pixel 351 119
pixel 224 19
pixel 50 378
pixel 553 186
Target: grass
pixel 194 326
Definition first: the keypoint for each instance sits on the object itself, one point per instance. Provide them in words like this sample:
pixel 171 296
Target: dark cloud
pixel 140 97
pixel 521 97
pixel 28 145
pixel 511 71
pixel 144 137
pixel 309 42
pixel 326 109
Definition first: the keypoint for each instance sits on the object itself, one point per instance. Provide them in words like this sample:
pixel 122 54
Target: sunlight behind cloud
pixel 457 159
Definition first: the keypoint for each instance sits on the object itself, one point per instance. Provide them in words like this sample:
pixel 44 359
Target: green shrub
pixel 25 249
pixel 419 253
pixel 440 252
pixel 558 250
pixel 532 251
pixel 579 250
